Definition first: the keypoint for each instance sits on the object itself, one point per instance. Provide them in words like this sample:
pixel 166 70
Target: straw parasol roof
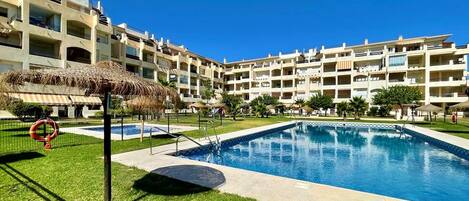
pixel 198 105
pixel 295 106
pixel 429 108
pixel 307 108
pixel 91 78
pixel 218 105
pixel 145 103
pixel 460 106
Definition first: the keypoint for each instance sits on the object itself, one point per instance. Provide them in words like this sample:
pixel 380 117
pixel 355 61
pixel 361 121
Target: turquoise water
pixel 373 160
pixel 130 129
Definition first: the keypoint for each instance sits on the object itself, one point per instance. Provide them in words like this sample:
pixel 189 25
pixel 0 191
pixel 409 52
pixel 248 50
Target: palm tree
pixel 358 106
pixel 300 102
pixel 343 108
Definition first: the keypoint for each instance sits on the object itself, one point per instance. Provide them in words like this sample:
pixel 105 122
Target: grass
pixel 461 129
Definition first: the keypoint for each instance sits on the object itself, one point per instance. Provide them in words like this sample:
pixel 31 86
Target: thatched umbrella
pixel 460 106
pixel 307 109
pixel 104 78
pixel 220 107
pixel 429 108
pixel 198 106
pixel 143 104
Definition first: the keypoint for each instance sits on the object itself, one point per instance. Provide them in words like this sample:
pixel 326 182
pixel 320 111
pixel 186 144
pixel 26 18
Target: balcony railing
pixel 132 56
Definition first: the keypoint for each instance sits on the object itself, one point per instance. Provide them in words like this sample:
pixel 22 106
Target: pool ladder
pixel 215 145
pixel 174 135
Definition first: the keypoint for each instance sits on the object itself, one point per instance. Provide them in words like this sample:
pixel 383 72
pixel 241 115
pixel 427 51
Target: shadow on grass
pixel 161 182
pixel 14 157
pixel 29 183
pixel 23 179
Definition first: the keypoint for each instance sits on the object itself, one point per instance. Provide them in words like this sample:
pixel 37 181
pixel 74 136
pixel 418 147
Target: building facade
pixel 437 67
pixel 37 34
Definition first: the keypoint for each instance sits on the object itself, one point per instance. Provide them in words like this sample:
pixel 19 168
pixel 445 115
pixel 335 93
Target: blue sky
pixel 254 28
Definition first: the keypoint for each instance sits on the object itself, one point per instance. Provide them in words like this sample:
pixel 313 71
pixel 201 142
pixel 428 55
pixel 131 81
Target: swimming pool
pixel 132 129
pixel 365 158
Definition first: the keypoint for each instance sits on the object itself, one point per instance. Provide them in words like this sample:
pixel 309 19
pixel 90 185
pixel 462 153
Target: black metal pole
pixel 107 146
pixel 167 116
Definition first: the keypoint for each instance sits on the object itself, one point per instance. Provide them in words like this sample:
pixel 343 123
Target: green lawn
pixel 461 129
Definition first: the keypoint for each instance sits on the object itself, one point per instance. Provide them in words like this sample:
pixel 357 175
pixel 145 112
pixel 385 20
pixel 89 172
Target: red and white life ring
pixel 49 137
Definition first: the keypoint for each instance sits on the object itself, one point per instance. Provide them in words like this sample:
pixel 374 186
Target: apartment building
pixel 434 65
pixel 38 34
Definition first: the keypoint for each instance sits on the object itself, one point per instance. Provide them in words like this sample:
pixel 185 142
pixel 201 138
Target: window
pixel 397 60
pixel 184 79
pixel 102 38
pixel 132 53
pixel 148 73
pixel 3 12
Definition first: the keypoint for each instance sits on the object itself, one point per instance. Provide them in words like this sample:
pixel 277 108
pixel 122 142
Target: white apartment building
pixel 437 67
pixel 37 34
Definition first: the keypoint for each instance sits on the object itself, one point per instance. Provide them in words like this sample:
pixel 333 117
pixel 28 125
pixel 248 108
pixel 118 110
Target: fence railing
pixel 14 137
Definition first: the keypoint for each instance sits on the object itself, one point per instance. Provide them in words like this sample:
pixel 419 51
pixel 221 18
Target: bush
pixel 23 110
pixel 384 110
pixel 373 111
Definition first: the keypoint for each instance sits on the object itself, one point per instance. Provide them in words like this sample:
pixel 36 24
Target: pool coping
pixel 114 136
pixel 239 181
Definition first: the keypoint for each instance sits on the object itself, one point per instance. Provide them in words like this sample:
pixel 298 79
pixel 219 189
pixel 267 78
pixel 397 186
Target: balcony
pixel 12 39
pixel 44 47
pixel 43 18
pixel 76 54
pixel 78 29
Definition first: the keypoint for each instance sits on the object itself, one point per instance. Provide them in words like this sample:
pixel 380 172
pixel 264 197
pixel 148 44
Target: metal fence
pixel 14 137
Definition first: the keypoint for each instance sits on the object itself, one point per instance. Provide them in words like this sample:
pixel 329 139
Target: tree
pixel 300 102
pixel 398 95
pixel 167 83
pixel 343 108
pixel 233 104
pixel 260 103
pixel 207 92
pixel 358 106
pixel 320 101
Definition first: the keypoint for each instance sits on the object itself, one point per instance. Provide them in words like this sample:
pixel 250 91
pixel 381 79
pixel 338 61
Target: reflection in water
pixel 367 159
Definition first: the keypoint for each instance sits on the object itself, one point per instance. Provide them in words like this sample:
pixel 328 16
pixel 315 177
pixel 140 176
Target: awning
pixel 344 65
pixel 86 100
pixel 42 99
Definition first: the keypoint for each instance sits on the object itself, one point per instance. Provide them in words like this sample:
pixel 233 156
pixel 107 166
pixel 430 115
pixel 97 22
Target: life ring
pixel 49 137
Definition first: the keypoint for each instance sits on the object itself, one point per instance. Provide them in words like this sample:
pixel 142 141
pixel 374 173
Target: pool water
pixel 373 160
pixel 131 129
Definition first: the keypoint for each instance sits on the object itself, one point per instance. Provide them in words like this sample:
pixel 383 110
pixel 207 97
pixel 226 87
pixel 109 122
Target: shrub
pixel 23 110
pixel 373 111
pixel 384 110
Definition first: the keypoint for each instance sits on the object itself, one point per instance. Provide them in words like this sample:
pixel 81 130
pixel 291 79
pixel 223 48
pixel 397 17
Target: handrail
pixel 177 138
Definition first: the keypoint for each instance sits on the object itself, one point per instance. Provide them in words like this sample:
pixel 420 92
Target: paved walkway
pixel 450 139
pixel 237 181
